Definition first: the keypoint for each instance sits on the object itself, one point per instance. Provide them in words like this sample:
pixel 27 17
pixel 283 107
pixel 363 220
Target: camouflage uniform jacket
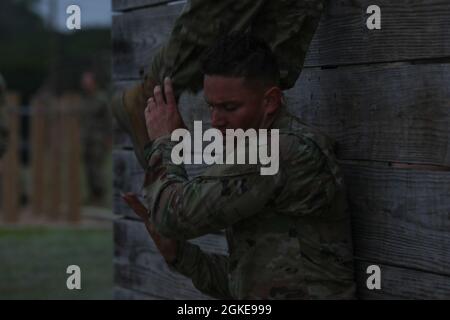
pixel 288 234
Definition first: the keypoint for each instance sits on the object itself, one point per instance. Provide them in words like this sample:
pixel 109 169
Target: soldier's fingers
pixel 150 104
pixel 148 110
pixel 134 201
pixel 135 204
pixel 157 93
pixel 151 229
pixel 170 96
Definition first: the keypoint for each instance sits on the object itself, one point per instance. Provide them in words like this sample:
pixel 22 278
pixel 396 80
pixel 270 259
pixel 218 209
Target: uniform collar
pixel 282 119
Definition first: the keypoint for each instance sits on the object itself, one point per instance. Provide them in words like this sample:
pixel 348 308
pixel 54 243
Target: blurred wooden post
pixel 53 196
pixel 71 104
pixel 11 170
pixel 38 142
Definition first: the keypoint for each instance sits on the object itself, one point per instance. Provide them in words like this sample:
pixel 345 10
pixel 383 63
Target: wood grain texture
pixel 400 283
pixel 140 267
pixel 128 177
pixel 400 216
pixel 408 120
pixel 121 140
pixel 392 112
pixel 124 5
pixel 137 35
pixel 411 30
pixel 386 112
pixel 120 293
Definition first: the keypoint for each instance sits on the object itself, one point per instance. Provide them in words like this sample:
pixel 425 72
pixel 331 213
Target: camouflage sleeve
pixel 225 194
pixel 208 271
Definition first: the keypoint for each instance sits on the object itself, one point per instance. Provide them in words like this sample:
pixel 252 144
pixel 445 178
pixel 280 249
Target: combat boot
pixel 128 109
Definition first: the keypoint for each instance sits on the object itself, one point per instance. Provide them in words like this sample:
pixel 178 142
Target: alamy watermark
pixel 74 280
pixel 374 20
pixel 374 280
pixel 73 21
pixel 235 147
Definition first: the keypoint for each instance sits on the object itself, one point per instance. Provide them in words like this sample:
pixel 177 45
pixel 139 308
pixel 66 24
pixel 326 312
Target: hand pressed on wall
pixel 167 247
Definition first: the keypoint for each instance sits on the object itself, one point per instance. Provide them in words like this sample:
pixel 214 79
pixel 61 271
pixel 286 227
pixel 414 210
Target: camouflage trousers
pixel 286 25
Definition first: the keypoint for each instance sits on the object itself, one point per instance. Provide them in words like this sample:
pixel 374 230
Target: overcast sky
pixel 93 12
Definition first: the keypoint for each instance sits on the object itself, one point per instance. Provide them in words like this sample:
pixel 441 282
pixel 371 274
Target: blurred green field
pixel 33 262
pixel 35 253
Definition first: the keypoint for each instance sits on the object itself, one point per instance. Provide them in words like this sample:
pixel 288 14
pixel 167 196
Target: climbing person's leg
pixel 288 27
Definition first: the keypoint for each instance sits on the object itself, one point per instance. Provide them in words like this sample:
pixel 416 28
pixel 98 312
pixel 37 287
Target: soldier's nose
pixel 217 120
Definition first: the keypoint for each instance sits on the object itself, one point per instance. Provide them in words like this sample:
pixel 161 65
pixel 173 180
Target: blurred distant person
pixel 3 126
pixel 96 135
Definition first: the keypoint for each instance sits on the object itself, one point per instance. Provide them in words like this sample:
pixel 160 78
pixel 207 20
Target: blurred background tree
pixel 36 54
pixel 32 54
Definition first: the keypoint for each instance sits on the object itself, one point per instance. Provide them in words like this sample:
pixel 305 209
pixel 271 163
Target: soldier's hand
pixel 162 116
pixel 167 247
pixel 134 203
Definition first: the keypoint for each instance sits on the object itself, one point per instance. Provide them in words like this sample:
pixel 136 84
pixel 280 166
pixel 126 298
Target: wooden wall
pixel 384 95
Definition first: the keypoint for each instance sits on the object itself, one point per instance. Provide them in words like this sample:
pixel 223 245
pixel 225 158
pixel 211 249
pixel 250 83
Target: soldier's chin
pixel 223 131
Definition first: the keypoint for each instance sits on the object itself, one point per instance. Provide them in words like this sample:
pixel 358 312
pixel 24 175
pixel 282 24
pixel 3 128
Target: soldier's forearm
pixel 167 247
pixel 208 272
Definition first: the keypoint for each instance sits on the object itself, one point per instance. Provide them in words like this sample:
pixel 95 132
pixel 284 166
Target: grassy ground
pixel 34 259
pixel 33 262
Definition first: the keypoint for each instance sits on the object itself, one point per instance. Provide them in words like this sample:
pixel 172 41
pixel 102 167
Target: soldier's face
pixel 88 82
pixel 236 104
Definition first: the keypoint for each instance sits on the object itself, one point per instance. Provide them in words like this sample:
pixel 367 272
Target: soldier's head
pixel 89 82
pixel 241 83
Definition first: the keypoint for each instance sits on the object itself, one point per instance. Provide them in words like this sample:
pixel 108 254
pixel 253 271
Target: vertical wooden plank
pixel 11 170
pixel 53 211
pixel 38 126
pixel 71 104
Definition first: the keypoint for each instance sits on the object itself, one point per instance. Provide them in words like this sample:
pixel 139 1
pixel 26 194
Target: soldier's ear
pixel 272 100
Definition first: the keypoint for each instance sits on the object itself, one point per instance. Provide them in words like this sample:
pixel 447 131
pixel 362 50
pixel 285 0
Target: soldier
pixel 3 127
pixel 287 26
pixel 288 234
pixel 96 136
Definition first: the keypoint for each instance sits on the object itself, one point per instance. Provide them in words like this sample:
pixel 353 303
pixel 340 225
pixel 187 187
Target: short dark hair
pixel 241 55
